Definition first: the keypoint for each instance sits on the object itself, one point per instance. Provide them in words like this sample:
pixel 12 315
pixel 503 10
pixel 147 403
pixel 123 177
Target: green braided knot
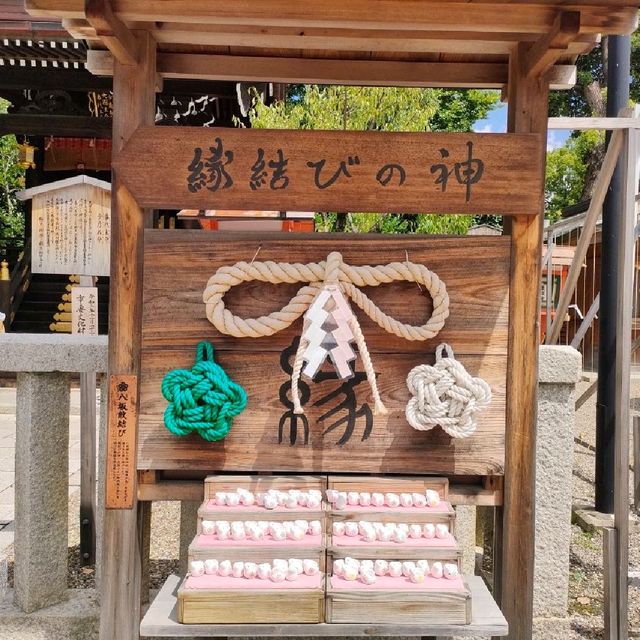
pixel 203 399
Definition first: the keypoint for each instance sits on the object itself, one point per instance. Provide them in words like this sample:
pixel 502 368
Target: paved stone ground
pixel 7 458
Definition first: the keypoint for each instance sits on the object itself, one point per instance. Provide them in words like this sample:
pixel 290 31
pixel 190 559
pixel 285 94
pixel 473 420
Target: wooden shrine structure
pixel 523 47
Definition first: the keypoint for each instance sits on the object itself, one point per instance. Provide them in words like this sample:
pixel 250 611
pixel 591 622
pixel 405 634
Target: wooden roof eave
pixel 449 43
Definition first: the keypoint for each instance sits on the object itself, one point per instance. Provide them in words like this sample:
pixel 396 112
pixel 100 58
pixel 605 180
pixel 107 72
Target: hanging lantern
pixel 25 155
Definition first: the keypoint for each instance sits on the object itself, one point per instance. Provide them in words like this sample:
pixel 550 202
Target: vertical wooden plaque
pixel 121 442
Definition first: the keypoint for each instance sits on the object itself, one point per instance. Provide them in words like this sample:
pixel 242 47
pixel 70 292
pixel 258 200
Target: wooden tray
pixel 257 553
pixel 398 552
pixel 258 483
pixel 247 605
pixel 398 606
pixel 396 484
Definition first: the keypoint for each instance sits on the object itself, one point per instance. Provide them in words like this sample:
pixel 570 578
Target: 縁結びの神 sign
pixel 333 170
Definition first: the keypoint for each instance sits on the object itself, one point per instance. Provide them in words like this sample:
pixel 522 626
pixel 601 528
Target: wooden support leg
pixel 133 106
pixel 528 112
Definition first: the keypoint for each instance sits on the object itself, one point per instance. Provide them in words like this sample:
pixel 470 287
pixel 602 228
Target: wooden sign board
pixel 84 311
pixel 72 231
pixel 463 173
pixel 339 432
pixel 121 442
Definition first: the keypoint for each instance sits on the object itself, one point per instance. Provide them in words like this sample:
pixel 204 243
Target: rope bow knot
pixel 445 395
pixel 203 398
pixel 316 276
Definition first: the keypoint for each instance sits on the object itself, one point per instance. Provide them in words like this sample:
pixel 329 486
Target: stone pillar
pixel 188 529
pixel 41 489
pixel 560 370
pixel 465 531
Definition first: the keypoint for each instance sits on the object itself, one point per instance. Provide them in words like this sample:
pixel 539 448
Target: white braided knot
pixel 445 395
pixel 318 275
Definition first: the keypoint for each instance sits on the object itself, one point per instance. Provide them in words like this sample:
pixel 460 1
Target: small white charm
pixel 351 529
pixel 407 568
pixel 416 575
pixel 368 577
pixel 341 501
pixel 392 500
pixel 451 571
pixel 277 575
pixel 225 568
pixel 233 499
pixel 315 528
pixel 365 499
pixel 211 567
pixel 377 499
pixel 424 565
pixel 280 564
pixel 312 502
pixel 338 567
pixel 442 531
pixel 406 500
pixel 381 567
pixel 237 569
pixel 395 569
pixel 338 528
pixel 433 498
pixel 429 531
pixel 419 500
pixel 208 527
pixel 437 570
pixel 350 573
pixel 310 567
pixel 353 498
pixel 197 568
pixel 415 531
pixel 264 571
pixel 221 498
pixel 250 570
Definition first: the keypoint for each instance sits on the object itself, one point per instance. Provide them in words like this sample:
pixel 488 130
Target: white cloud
pixel 485 128
pixel 555 140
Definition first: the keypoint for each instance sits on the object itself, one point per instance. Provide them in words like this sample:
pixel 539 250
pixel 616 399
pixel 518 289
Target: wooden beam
pixel 113 33
pixel 457 15
pixel 133 106
pixel 366 40
pixel 528 104
pixel 603 124
pixel 543 54
pixel 337 72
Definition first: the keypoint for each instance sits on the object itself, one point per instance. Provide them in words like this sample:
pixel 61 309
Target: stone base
pixel 75 619
pixel 556 628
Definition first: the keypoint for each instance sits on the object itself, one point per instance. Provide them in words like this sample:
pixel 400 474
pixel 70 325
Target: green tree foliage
pixel 11 181
pixel 582 155
pixel 566 171
pixel 379 109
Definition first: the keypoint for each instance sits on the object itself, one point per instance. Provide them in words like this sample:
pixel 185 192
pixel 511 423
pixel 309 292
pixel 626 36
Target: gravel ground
pixel 586 585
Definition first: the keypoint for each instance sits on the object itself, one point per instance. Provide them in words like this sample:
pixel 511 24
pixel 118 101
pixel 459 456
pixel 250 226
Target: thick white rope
pixel 317 275
pixel 445 395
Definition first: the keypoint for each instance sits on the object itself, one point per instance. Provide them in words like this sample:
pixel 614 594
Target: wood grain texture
pixel 396 607
pixel 121 577
pixel 158 163
pixel 228 606
pixel 161 621
pixel 178 264
pixel 528 99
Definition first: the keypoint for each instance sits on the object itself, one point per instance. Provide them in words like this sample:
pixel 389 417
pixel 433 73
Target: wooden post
pixel 133 106
pixel 626 266
pixel 527 114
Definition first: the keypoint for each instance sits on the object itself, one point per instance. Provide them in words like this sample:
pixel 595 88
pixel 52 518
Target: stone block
pixel 559 364
pixel 75 619
pixel 466 535
pixel 41 493
pixel 188 528
pixel 44 352
pixel 559 372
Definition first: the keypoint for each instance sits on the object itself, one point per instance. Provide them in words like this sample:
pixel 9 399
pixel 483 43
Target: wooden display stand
pixel 157 315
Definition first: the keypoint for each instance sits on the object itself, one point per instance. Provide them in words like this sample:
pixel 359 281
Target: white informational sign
pixel 71 230
pixel 84 311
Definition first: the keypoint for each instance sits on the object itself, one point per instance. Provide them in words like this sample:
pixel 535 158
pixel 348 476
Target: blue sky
pixel 497 123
